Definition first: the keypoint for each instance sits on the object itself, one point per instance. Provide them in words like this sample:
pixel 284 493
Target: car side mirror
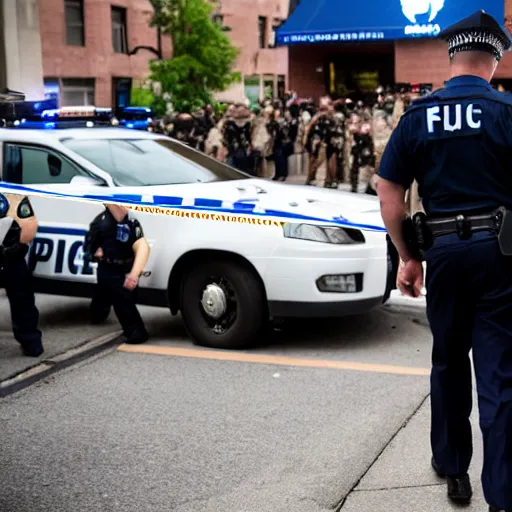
pixel 54 165
pixel 84 181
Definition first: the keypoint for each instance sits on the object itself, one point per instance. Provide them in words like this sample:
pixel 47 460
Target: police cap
pixel 478 32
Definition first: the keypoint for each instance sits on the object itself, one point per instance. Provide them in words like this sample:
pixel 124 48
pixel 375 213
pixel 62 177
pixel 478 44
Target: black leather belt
pixel 465 225
pixel 111 261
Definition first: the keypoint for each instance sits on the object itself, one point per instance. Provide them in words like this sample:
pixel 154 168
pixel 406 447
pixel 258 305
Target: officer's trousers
pixel 469 306
pixel 16 278
pixel 281 164
pixel 110 292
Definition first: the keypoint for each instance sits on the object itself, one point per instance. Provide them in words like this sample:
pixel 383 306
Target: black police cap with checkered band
pixel 478 32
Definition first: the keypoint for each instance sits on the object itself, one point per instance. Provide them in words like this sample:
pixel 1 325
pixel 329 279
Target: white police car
pixel 228 251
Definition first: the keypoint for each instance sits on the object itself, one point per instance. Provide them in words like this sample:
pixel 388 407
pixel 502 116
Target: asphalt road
pixel 290 426
pixel 63 322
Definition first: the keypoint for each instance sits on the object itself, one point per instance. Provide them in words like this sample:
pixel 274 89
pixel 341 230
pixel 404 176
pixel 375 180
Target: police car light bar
pixel 65 117
pixel 44 115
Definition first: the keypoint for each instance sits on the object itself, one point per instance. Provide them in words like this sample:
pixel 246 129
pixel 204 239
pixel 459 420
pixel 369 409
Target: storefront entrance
pixel 358 74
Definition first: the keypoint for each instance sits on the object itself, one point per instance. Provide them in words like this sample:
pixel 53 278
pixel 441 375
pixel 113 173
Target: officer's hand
pixel 99 253
pixel 410 278
pixel 131 282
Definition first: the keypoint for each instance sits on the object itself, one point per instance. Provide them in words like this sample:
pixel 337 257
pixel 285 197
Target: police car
pixel 228 251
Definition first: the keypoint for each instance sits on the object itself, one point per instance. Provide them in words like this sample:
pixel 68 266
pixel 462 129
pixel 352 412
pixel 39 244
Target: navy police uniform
pixel 15 275
pixel 457 144
pixel 116 240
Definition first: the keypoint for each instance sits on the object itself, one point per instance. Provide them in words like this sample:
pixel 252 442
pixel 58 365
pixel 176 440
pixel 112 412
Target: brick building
pixel 86 47
pixel 335 67
pixel 264 68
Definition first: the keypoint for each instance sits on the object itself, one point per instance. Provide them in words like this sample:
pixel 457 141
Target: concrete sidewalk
pixel 401 479
pixel 66 334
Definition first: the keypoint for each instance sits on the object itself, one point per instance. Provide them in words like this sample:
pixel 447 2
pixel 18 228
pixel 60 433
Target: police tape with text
pixel 206 216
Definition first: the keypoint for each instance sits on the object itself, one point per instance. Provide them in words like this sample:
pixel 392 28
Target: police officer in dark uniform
pixel 18 226
pixel 237 137
pixel 117 243
pixel 457 144
pixel 363 152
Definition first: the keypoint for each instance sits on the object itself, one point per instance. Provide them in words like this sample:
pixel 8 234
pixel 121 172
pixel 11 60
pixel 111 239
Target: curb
pixel 58 362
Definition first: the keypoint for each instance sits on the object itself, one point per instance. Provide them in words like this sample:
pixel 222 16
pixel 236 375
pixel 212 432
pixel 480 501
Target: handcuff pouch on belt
pixel 412 240
pixel 504 230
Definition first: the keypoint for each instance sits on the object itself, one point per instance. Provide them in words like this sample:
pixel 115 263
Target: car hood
pixel 279 200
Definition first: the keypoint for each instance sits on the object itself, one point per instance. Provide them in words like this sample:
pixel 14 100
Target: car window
pixel 33 166
pixel 136 162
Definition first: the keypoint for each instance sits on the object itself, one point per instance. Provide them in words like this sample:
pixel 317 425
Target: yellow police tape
pixel 219 217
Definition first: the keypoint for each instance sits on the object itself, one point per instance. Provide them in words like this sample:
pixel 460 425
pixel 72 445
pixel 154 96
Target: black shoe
pixel 32 350
pixel 459 487
pixel 137 338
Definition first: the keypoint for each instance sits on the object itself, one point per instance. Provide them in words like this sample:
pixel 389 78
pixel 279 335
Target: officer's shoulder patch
pixel 25 209
pixel 4 206
pixel 137 229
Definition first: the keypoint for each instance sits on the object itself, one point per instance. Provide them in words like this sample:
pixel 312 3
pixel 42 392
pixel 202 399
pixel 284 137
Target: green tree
pixel 203 56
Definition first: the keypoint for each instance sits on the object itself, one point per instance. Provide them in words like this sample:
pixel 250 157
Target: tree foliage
pixel 203 56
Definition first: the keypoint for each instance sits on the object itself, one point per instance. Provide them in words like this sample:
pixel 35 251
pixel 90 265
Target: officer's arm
pixel 140 248
pixel 92 241
pixel 395 177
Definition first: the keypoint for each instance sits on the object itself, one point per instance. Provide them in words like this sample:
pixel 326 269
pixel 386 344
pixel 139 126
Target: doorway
pixel 121 92
pixel 358 74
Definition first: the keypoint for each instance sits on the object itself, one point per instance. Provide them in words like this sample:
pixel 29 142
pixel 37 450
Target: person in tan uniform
pixel 18 227
pixel 261 142
pixel 318 141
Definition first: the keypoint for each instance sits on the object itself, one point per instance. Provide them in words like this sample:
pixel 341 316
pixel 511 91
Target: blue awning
pixel 319 21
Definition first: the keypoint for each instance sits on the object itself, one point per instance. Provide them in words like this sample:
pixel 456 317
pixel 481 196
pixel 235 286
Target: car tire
pixel 244 302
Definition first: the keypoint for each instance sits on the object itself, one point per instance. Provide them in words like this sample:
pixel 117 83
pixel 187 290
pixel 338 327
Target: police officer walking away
pixel 118 244
pixel 457 144
pixel 18 227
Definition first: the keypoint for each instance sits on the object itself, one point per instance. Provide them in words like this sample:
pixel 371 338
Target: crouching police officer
pixel 457 144
pixel 18 227
pixel 117 243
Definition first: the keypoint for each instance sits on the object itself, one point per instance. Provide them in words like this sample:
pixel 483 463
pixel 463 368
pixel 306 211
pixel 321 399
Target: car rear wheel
pixel 222 305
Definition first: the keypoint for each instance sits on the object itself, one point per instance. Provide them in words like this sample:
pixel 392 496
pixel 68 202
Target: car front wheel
pixel 222 305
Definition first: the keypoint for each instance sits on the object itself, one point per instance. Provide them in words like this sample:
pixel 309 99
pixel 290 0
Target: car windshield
pixel 145 162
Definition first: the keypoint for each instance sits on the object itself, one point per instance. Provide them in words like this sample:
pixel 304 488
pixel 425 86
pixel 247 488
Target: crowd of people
pixel 347 137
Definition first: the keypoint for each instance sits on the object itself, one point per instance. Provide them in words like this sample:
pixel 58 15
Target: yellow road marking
pixel 273 360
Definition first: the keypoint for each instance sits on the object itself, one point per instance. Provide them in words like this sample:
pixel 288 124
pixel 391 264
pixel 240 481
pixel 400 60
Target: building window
pixel 77 92
pixel 119 37
pixel 218 19
pixel 262 31
pixel 75 33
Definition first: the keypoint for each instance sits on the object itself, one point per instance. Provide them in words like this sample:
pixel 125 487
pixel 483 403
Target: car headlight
pixel 323 234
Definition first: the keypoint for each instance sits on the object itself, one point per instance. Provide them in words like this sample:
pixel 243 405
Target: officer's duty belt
pixel 465 225
pixel 111 261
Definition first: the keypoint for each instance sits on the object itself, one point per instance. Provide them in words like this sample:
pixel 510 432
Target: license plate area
pixel 340 283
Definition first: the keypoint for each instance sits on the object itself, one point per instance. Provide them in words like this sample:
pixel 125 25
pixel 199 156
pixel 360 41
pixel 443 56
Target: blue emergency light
pixel 45 115
pixel 135 118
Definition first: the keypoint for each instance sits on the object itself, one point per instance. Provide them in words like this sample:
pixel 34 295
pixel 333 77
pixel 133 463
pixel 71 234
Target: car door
pixel 56 255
